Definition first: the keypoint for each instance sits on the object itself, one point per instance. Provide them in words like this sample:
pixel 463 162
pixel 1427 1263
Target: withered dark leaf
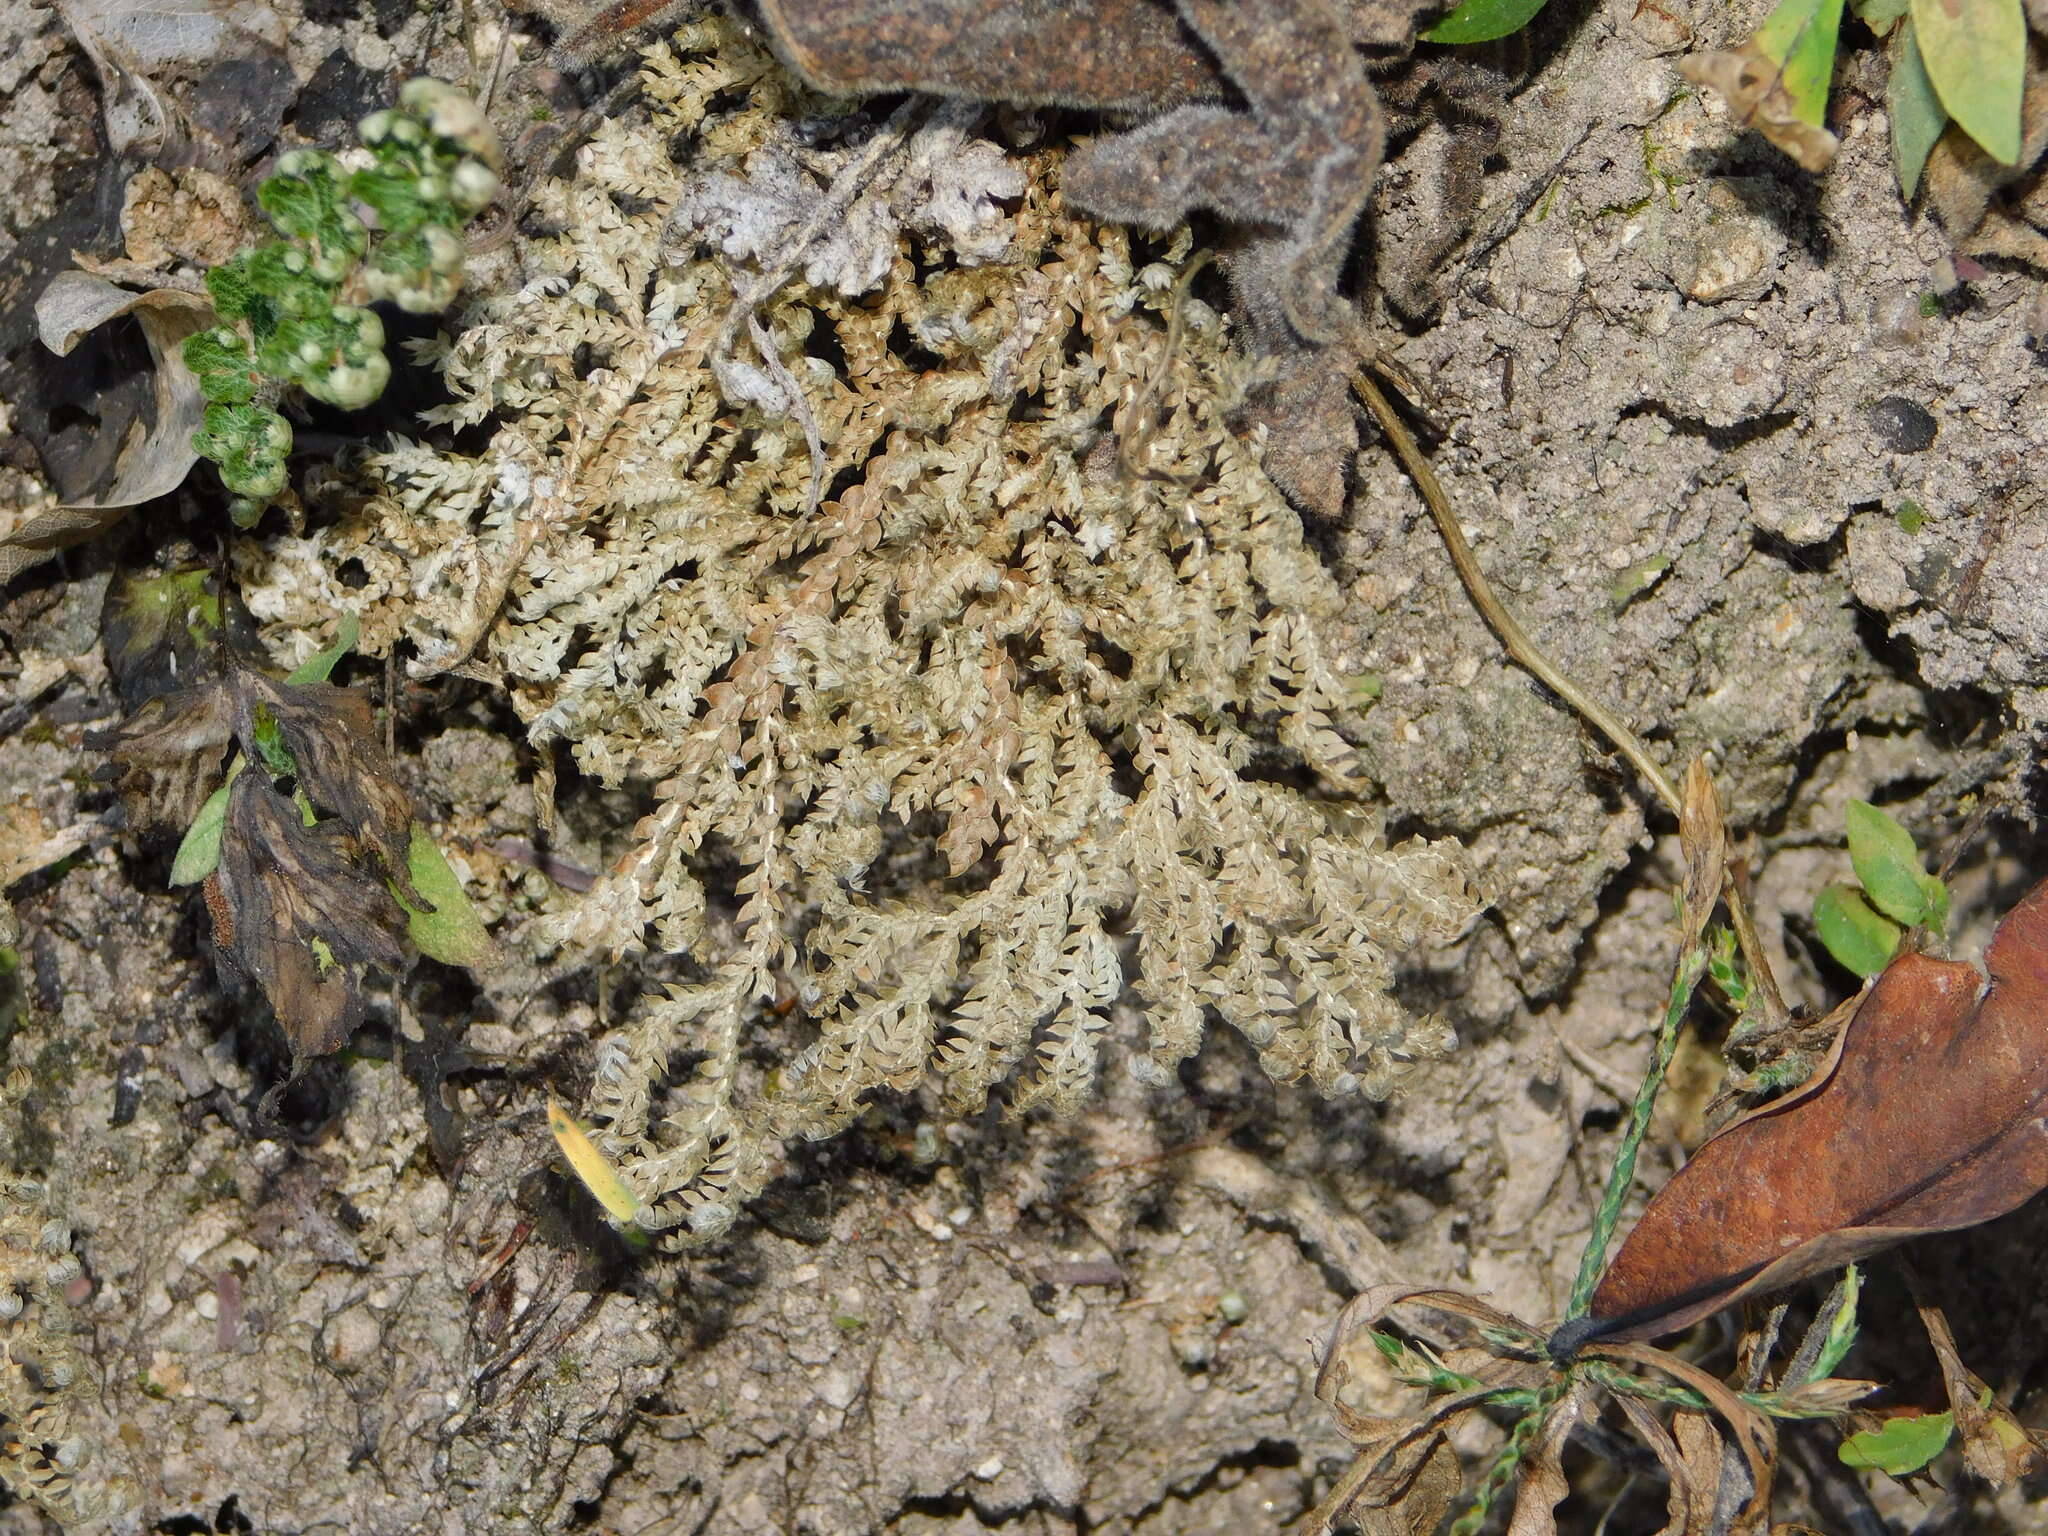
pixel 168 755
pixel 1928 1117
pixel 301 914
pixel 331 734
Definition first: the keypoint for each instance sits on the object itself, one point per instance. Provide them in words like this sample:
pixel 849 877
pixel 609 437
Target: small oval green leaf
pixel 1481 21
pixel 1905 1444
pixel 1861 939
pixel 319 666
pixel 1888 864
pixel 198 852
pixel 1976 56
pixel 452 933
pixel 1917 120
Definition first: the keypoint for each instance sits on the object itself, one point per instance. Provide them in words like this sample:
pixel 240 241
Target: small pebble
pixel 1903 426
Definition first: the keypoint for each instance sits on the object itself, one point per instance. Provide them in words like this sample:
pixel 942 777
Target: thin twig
pixel 1137 443
pixel 799 407
pixel 1525 651
pixel 1503 623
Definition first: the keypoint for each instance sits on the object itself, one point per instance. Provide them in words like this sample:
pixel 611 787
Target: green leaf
pixel 1888 865
pixel 1976 57
pixel 1917 120
pixel 452 933
pixel 1800 36
pixel 1481 21
pixel 198 852
pixel 1905 1444
pixel 1880 15
pixel 320 666
pixel 1841 1332
pixel 1861 939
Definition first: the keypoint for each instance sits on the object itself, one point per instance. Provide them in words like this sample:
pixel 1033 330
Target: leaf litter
pixel 314 867
pixel 1925 1118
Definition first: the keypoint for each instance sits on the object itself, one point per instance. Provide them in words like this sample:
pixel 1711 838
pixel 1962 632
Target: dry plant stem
pixel 1524 650
pixel 1518 643
pixel 1137 443
pixel 799 407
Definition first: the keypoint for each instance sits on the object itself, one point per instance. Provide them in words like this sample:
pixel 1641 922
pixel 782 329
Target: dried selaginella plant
pixel 844 482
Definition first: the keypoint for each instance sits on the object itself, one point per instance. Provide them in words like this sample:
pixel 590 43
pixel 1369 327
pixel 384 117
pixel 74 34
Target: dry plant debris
pixel 1927 1118
pixel 310 836
pixel 992 733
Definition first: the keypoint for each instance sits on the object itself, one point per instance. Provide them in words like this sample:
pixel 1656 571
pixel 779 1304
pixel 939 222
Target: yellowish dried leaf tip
pixel 591 1165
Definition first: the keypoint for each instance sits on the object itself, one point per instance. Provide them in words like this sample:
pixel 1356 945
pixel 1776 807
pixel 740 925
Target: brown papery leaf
pixel 1995 1445
pixel 167 755
pixel 1928 1117
pixel 301 915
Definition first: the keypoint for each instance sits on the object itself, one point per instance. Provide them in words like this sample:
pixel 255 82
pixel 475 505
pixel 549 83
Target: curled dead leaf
pixel 331 734
pixel 295 909
pixel 153 462
pixel 1752 85
pixel 1928 1117
pixel 167 755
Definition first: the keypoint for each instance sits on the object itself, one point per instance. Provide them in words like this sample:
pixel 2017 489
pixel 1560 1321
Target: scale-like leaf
pixel 1976 56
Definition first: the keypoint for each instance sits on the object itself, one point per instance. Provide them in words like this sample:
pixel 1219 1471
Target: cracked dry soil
pixel 1685 390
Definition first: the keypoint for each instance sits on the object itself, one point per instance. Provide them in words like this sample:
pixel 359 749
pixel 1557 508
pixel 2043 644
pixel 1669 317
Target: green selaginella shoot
pixel 294 312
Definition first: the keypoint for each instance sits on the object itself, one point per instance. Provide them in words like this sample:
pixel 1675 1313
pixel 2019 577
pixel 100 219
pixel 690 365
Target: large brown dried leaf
pixel 1928 1118
pixel 301 914
pixel 1133 54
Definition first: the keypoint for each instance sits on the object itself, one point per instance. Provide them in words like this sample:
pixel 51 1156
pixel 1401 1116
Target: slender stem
pixel 1525 651
pixel 1691 965
pixel 1519 645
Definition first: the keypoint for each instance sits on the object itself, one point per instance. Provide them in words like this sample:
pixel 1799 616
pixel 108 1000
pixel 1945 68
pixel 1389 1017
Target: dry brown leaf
pixel 151 463
pixel 168 756
pixel 1995 1445
pixel 298 912
pixel 1679 1500
pixel 1542 1486
pixel 1751 84
pixel 1927 1118
pixel 332 736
